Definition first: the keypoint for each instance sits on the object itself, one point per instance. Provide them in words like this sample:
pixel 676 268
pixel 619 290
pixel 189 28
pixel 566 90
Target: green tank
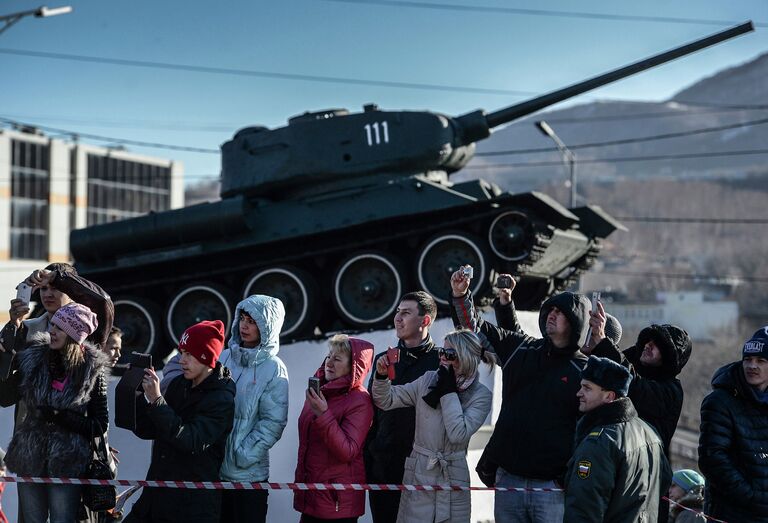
pixel 338 214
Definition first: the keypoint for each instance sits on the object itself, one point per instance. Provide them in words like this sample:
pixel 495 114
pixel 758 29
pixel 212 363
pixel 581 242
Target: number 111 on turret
pixel 376 138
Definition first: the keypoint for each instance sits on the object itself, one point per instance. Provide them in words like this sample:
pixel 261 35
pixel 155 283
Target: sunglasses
pixel 449 354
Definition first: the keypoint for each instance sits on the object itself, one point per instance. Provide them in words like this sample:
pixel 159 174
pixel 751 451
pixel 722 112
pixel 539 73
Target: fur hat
pixel 613 329
pixel 687 479
pixel 607 374
pixel 757 345
pixel 76 320
pixel 204 341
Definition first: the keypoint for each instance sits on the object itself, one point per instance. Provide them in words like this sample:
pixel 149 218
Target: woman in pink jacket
pixel 332 429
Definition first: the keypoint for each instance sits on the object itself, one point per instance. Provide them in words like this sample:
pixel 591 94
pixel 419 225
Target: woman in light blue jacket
pixel 261 403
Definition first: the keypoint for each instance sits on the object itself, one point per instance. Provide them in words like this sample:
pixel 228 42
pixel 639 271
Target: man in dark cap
pixel 733 444
pixel 618 471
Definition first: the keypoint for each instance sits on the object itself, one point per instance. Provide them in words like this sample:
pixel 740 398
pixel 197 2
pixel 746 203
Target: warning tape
pixel 689 509
pixel 242 485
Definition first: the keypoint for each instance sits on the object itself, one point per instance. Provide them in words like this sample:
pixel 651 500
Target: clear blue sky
pixel 472 48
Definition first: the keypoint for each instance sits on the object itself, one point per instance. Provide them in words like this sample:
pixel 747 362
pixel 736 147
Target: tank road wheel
pixel 295 288
pixel 140 322
pixel 194 304
pixel 366 289
pixel 511 236
pixel 442 256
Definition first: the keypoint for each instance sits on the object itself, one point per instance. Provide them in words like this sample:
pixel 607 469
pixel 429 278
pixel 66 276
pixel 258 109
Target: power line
pixel 624 159
pixel 724 221
pixel 630 140
pixel 110 139
pixel 544 12
pixel 129 123
pixel 729 279
pixel 644 116
pixel 264 74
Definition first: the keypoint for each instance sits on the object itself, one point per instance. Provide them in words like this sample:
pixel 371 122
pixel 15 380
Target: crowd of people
pixel 583 433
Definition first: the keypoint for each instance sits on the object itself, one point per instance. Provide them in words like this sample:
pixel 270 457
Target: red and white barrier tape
pixel 240 485
pixel 689 509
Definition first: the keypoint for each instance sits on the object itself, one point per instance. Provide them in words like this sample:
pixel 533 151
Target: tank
pixel 338 214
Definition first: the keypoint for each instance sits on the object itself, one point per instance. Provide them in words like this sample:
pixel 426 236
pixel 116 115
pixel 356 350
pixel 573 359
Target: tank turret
pixel 338 214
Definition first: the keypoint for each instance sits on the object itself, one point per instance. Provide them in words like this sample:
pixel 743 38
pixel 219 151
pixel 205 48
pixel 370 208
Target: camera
pixel 504 282
pixel 468 271
pixel 24 292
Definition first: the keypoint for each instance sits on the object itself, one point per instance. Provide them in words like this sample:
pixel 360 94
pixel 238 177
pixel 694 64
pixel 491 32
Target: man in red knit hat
pixel 190 425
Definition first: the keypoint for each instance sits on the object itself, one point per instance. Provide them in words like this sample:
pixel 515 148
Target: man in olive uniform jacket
pixel 618 471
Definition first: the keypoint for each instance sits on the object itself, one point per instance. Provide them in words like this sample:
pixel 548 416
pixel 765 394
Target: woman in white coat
pixel 451 405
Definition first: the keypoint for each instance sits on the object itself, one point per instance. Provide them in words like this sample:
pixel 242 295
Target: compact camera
pixel 468 271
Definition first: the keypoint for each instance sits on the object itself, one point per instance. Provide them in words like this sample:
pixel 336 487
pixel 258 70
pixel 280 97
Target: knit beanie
pixel 607 374
pixel 204 341
pixel 76 320
pixel 687 479
pixel 613 329
pixel 757 345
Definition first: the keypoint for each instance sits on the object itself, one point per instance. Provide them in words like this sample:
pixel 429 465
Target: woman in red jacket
pixel 332 429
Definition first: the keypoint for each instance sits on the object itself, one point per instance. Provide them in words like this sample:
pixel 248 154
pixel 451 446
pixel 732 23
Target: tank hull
pixel 339 261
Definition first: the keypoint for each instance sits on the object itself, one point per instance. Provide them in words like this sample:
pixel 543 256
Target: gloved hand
pixel 446 383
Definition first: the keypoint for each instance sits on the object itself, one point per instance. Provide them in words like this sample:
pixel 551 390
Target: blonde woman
pixel 451 405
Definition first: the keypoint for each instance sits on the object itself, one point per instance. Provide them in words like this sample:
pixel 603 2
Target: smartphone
pixel 314 384
pixel 143 361
pixel 393 356
pixel 468 271
pixel 24 292
pixel 504 282
pixel 594 300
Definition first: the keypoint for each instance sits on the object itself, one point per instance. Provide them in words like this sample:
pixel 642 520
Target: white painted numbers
pixel 377 133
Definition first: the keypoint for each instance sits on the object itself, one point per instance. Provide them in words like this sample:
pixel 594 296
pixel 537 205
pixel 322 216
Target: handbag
pixel 102 466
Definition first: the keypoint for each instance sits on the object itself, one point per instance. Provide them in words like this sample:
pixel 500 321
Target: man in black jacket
pixel 733 444
pixel 533 437
pixel 656 359
pixel 190 425
pixel 390 439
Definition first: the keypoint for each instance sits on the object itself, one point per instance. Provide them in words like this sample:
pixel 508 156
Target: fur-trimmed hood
pixel 674 344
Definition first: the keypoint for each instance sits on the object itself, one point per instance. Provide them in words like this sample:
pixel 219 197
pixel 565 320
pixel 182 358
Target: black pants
pixel 384 506
pixel 244 506
pixel 312 519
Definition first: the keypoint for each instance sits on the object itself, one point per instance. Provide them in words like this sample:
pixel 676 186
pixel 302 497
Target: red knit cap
pixel 204 341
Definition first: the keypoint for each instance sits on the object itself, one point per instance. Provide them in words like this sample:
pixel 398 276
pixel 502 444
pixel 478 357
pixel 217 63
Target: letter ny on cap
pixel 204 341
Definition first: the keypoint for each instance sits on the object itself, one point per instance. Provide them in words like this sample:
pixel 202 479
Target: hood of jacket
pixel 731 379
pixel 576 308
pixel 268 313
pixel 362 360
pixel 673 343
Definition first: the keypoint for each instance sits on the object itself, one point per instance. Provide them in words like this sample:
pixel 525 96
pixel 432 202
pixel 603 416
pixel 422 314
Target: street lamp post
pixel 40 12
pixel 569 159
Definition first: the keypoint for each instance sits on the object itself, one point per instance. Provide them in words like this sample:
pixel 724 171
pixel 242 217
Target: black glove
pixel 446 383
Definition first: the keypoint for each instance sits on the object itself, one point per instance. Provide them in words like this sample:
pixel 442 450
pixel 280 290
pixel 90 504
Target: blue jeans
pixel 36 501
pixel 527 507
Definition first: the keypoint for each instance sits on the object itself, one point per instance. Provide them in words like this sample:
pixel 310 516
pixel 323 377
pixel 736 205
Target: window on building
pixel 120 189
pixel 30 190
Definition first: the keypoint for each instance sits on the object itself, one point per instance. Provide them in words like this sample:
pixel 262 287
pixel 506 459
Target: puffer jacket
pixel 533 436
pixel 261 402
pixel 189 426
pixel 331 445
pixel 48 443
pixel 618 471
pixel 733 448
pixel 390 439
pixel 656 392
pixel 439 454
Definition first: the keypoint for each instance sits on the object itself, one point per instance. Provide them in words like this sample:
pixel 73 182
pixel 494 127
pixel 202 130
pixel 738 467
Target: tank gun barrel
pixel 472 122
